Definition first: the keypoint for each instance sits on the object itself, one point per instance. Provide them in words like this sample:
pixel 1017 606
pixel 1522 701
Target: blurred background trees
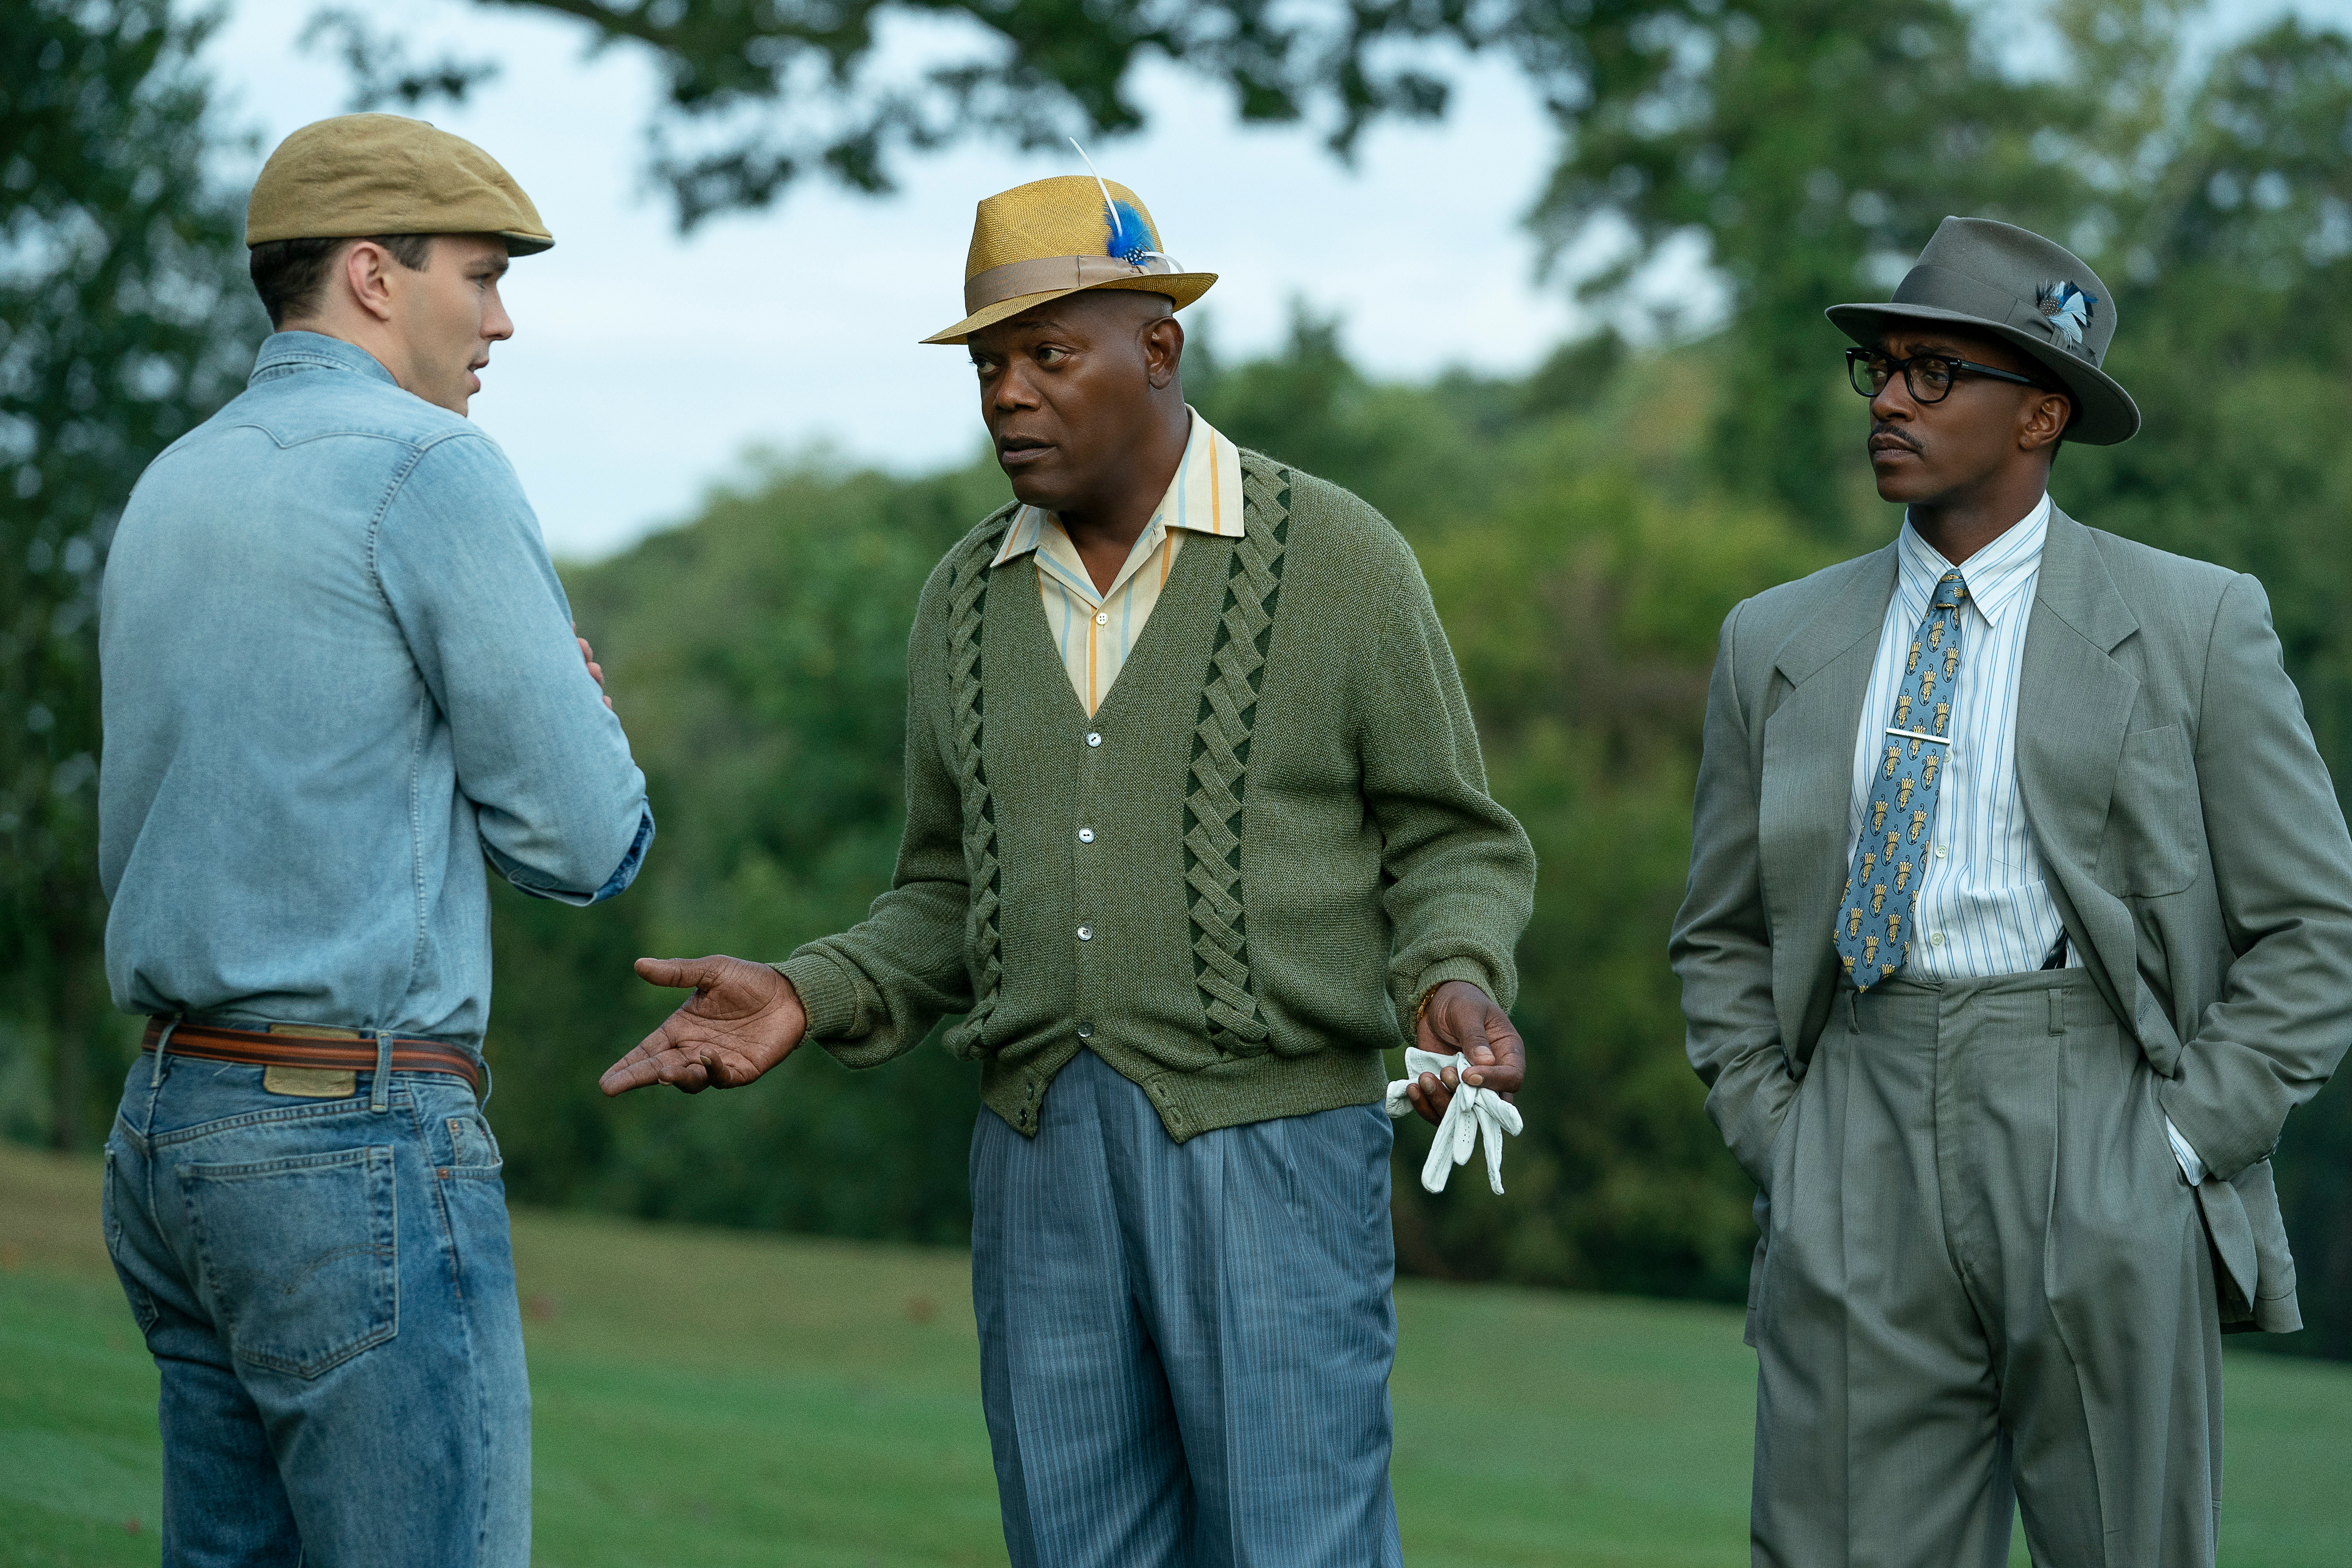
pixel 125 318
pixel 1584 528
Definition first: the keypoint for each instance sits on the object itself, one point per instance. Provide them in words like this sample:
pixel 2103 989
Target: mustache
pixel 1900 438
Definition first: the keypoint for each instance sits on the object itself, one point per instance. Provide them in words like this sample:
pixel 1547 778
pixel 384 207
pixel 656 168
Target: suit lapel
pixel 1805 818
pixel 2074 705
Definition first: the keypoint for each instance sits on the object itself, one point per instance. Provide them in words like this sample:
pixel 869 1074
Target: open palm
pixel 742 1019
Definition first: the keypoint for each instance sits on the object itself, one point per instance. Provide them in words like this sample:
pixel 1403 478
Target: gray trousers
pixel 1184 1347
pixel 1984 1280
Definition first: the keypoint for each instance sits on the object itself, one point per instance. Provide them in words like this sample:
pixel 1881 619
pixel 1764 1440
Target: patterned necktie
pixel 1890 858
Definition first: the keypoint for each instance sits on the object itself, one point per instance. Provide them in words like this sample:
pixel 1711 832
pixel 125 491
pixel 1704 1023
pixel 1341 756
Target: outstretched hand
pixel 1462 1020
pixel 742 1019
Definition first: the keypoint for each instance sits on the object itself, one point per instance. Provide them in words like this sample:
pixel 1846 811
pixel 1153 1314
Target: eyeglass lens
pixel 1929 379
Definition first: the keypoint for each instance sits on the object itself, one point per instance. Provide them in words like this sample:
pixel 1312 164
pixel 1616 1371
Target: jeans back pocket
pixel 298 1257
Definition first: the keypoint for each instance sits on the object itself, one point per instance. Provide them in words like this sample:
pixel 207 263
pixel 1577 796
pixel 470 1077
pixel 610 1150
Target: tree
pixel 123 321
pixel 760 92
pixel 1810 147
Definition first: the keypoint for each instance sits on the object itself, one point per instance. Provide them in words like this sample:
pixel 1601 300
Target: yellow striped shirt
pixel 1094 631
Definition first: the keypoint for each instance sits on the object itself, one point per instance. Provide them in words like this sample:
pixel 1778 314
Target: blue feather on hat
pixel 1130 236
pixel 2067 308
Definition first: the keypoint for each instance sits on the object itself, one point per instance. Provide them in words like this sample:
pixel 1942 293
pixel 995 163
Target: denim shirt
pixel 339 672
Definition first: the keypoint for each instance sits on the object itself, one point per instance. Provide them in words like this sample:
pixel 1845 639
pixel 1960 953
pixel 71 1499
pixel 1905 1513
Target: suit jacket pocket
pixel 2155 834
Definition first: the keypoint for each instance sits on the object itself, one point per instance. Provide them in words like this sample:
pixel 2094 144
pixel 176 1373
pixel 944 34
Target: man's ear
pixel 366 272
pixel 1163 351
pixel 2043 419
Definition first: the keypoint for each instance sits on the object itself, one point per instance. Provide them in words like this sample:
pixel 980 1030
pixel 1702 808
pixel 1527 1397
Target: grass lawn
pixel 712 1398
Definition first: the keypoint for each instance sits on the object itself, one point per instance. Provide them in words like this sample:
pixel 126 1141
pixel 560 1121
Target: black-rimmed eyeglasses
pixel 1929 376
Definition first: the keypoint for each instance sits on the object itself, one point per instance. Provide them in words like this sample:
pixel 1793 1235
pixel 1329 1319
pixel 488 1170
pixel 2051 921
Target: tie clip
pixel 1917 735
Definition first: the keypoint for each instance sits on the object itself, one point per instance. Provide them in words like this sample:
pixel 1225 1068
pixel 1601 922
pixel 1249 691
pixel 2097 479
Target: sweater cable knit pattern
pixel 966 614
pixel 1220 770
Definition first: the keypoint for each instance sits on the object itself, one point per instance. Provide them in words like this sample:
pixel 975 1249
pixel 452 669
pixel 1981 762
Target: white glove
pixel 1473 1111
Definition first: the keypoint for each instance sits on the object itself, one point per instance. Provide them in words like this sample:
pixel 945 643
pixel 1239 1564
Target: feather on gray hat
pixel 2022 288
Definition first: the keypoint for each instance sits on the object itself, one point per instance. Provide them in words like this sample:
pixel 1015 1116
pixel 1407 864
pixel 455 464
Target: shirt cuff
pixel 626 872
pixel 2192 1166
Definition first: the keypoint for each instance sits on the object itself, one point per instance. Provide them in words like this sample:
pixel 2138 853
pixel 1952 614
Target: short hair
pixel 288 273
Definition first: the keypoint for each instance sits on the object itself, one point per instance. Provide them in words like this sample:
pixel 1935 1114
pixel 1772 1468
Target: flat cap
pixel 362 175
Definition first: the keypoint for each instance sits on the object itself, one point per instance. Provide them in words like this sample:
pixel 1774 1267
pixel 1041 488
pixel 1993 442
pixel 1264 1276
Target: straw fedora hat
pixel 1050 238
pixel 2026 291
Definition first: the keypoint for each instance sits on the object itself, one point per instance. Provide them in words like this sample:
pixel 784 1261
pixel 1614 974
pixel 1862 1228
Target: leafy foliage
pixel 760 93
pixel 124 318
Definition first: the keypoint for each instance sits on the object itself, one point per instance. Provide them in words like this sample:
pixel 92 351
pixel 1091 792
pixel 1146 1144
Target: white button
pixel 1085 1031
pixel 1086 836
pixel 1939 852
pixel 1093 739
pixel 1086 933
pixel 1936 940
pixel 1101 618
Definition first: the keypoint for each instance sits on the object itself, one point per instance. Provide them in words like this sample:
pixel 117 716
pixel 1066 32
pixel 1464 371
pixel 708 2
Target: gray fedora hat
pixel 1996 277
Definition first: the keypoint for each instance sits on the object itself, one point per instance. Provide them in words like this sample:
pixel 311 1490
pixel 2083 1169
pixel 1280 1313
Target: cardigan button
pixel 1086 934
pixel 1086 836
pixel 1094 737
pixel 1085 1031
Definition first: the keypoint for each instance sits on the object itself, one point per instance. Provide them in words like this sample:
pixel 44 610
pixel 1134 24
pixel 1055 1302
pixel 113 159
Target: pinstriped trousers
pixel 1185 1347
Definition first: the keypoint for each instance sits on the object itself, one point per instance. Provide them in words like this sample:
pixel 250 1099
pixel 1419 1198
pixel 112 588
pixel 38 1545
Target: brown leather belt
pixel 335 1049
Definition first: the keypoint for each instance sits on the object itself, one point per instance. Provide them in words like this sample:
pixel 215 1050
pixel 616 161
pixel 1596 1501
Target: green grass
pixel 715 1399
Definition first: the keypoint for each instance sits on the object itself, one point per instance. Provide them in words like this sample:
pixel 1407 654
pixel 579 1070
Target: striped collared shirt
pixel 1094 630
pixel 1984 904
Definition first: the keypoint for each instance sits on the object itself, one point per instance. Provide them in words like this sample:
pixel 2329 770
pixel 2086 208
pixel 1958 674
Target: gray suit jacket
pixel 2194 845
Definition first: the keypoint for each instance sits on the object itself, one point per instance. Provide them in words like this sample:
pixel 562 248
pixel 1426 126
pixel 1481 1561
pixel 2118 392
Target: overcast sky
pixel 644 365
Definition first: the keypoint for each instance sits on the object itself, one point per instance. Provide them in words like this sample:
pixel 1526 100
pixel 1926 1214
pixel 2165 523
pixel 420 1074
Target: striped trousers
pixel 1185 1347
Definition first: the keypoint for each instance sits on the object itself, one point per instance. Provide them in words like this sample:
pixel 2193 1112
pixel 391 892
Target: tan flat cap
pixel 361 174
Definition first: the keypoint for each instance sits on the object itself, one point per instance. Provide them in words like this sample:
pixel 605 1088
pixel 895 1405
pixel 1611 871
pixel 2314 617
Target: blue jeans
pixel 328 1291
pixel 1184 1347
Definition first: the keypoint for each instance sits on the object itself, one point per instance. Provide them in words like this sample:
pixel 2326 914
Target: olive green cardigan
pixel 1236 878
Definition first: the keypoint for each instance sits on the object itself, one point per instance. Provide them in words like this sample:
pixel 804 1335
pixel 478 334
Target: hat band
pixel 1942 288
pixel 1049 273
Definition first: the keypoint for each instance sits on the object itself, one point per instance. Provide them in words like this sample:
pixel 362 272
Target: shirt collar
pixel 1997 575
pixel 285 354
pixel 1204 497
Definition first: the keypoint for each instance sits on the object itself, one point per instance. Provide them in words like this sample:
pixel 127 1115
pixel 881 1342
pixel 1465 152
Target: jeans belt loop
pixel 380 1091
pixel 162 1044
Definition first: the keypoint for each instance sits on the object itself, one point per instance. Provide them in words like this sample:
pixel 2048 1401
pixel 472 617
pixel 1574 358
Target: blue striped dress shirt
pixel 1984 906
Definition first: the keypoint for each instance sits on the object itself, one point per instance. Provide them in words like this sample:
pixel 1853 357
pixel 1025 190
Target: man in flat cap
pixel 339 672
pixel 1196 827
pixel 2020 915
